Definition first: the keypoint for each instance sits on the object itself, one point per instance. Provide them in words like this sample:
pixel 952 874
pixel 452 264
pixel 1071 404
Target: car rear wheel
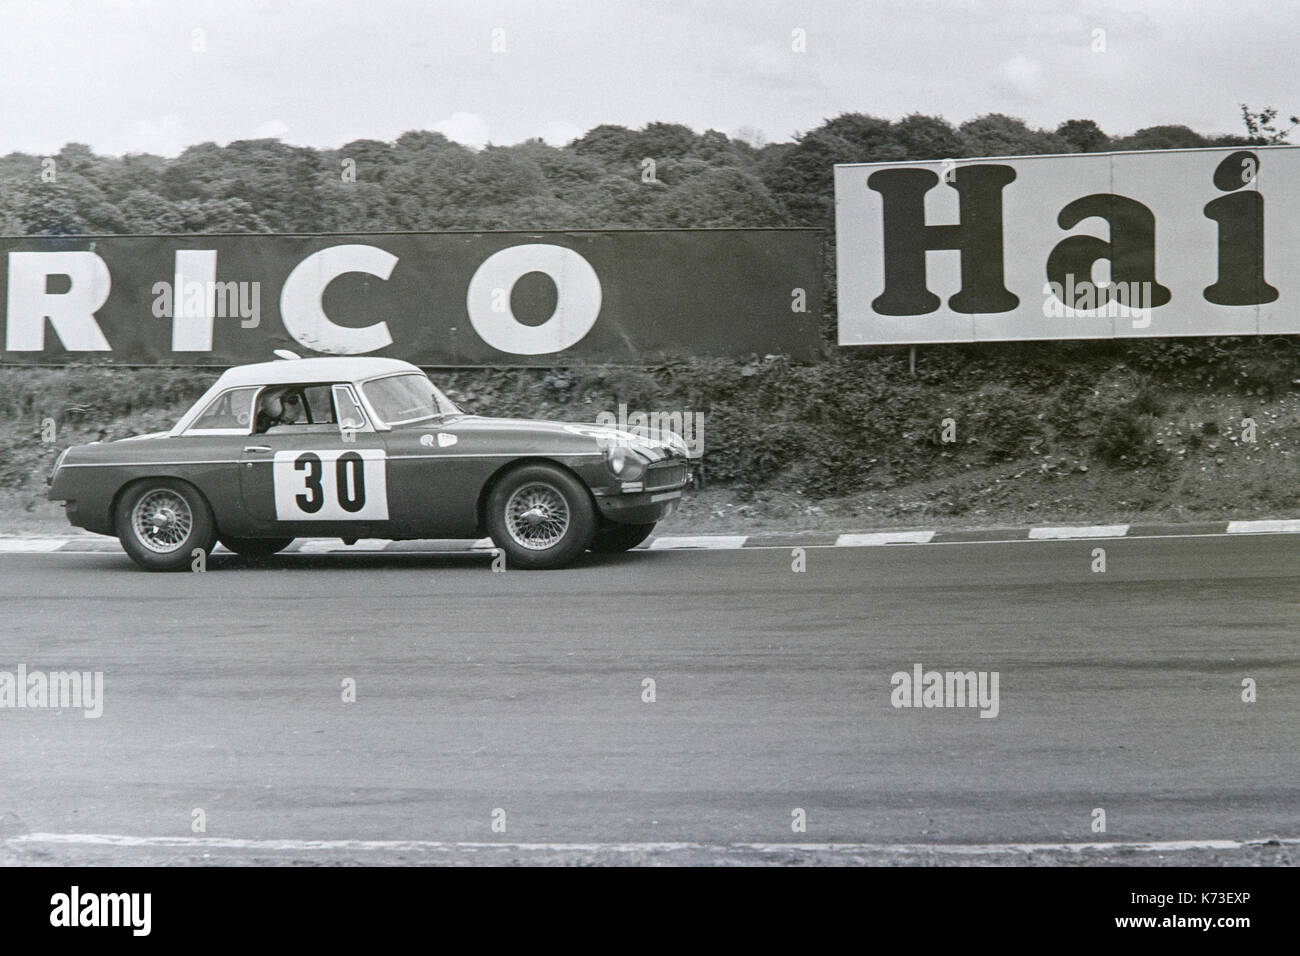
pixel 541 517
pixel 160 523
pixel 255 547
pixel 621 537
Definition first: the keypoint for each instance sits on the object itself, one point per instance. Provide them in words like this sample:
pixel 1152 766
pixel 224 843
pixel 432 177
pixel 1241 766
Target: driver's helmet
pixel 291 405
pixel 281 408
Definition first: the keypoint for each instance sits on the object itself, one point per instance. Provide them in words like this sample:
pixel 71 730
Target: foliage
pixel 999 135
pixel 663 175
pixel 1084 135
pixel 1127 436
pixel 1162 137
pixel 1261 129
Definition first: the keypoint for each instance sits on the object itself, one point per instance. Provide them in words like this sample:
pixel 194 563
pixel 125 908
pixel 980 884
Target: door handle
pixel 255 448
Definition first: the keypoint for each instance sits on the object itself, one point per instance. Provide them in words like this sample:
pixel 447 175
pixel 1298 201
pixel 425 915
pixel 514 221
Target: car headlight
pixel 626 464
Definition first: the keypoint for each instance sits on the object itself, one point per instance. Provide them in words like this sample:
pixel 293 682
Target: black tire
pixel 255 547
pixel 621 537
pixel 185 523
pixel 551 514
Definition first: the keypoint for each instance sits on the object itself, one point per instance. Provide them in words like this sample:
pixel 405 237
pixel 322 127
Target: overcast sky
pixel 159 75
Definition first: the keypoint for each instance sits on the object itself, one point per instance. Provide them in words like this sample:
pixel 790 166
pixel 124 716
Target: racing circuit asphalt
pixel 523 691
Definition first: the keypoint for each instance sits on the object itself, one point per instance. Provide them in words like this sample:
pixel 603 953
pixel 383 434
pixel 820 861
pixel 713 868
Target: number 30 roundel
pixel 331 485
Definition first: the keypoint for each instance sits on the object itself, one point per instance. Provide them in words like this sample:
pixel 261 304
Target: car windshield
pixel 409 397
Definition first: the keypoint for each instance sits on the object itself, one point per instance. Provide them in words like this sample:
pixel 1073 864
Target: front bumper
pixel 644 508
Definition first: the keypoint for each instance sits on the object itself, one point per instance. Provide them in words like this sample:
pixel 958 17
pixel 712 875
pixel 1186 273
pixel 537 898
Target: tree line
pixel 662 176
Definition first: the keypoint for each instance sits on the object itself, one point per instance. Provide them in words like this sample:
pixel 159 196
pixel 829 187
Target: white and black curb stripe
pixel 88 544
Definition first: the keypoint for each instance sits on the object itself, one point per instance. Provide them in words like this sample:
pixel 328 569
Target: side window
pixel 279 407
pixel 319 407
pixel 308 408
pixel 229 411
pixel 348 412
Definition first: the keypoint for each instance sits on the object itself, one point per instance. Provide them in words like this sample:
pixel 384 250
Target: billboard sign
pixel 1078 246
pixel 451 299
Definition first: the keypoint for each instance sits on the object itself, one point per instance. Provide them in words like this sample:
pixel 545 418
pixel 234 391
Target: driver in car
pixel 278 408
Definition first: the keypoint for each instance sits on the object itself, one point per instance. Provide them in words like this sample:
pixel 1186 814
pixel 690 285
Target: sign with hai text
pixel 1078 246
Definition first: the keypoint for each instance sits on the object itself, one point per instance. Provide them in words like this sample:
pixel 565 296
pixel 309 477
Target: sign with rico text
pixel 491 298
pixel 1092 245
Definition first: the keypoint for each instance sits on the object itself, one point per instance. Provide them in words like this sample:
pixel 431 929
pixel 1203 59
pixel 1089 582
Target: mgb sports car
pixel 365 447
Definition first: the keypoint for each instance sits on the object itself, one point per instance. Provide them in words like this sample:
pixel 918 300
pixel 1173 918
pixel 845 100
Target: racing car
pixel 365 447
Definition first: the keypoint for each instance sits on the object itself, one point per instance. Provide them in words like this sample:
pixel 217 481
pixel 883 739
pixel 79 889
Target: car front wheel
pixel 541 517
pixel 161 522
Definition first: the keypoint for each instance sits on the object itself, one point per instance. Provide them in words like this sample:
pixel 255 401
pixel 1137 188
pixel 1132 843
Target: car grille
pixel 666 475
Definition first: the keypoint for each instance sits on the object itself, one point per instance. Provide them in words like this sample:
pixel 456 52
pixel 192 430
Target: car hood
pixel 592 436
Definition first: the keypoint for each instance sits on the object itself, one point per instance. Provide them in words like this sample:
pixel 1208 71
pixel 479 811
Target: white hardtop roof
pixel 351 368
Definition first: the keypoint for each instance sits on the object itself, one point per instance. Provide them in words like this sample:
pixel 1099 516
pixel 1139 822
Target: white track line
pixel 1091 531
pixel 1257 527
pixel 329 545
pixel 219 843
pixel 883 537
pixel 709 541
pixel 33 545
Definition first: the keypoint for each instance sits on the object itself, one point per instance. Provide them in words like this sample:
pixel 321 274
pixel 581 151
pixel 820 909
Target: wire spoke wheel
pixel 162 521
pixel 537 516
